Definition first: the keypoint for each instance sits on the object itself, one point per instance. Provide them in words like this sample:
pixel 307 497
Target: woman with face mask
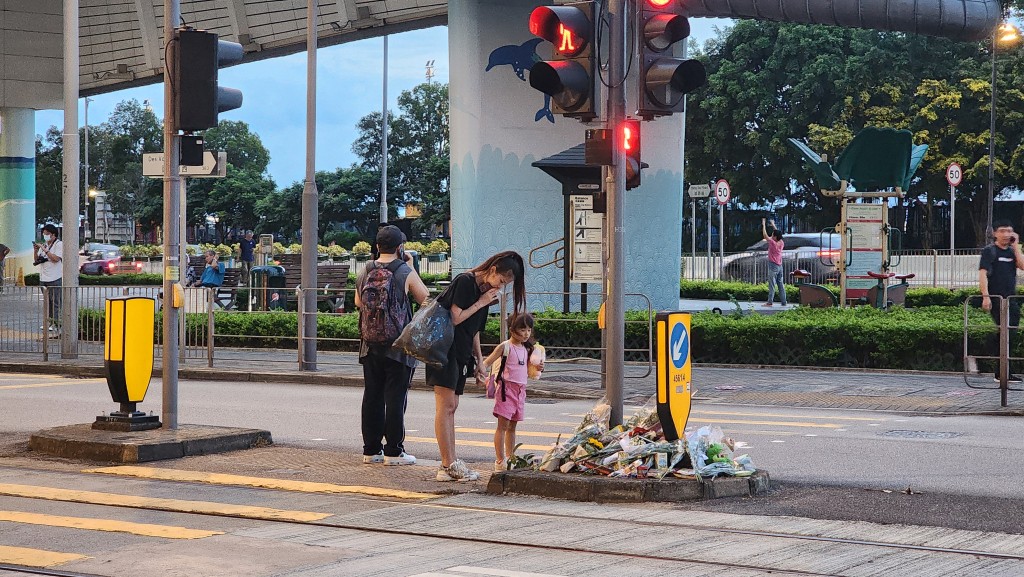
pixel 48 255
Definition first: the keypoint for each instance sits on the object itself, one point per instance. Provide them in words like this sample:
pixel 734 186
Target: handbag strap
pixel 501 370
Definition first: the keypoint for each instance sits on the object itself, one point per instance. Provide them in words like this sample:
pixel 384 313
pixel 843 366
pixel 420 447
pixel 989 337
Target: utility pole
pixel 69 192
pixel 310 200
pixel 172 202
pixel 384 141
pixel 85 191
pixel 615 189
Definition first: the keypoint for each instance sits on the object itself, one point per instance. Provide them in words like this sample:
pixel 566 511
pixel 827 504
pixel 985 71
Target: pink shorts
pixel 514 404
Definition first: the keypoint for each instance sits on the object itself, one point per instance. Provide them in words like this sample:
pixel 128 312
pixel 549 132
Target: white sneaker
pixel 403 459
pixel 457 471
pixel 499 465
pixel 373 459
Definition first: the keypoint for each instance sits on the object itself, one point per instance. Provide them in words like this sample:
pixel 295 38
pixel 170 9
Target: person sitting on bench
pixel 213 274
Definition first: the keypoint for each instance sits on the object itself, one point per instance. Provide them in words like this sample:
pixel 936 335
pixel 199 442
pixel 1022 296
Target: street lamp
pixel 1006 35
pixel 85 189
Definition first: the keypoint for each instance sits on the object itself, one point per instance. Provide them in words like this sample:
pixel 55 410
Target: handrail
pixel 556 260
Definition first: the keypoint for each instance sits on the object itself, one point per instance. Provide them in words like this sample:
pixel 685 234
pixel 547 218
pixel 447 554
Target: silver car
pixel 814 252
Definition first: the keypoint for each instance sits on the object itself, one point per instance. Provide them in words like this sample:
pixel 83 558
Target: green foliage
pixel 745 292
pixel 106 280
pixel 362 248
pixel 436 246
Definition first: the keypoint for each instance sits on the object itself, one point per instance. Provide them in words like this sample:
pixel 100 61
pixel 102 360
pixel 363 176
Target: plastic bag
pixel 598 416
pixel 533 370
pixel 429 335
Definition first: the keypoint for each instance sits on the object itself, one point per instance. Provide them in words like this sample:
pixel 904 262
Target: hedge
pixel 928 338
pixel 106 280
pixel 743 292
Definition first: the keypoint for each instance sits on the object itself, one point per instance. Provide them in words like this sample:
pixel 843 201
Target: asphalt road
pixel 825 463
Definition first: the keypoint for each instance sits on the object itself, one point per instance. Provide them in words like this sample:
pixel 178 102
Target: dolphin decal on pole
pixel 521 57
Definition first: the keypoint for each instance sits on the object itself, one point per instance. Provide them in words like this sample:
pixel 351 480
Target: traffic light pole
pixel 615 189
pixel 172 201
pixel 310 200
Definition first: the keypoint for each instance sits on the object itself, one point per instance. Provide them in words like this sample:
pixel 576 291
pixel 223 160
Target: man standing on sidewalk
pixel 382 296
pixel 997 275
pixel 246 247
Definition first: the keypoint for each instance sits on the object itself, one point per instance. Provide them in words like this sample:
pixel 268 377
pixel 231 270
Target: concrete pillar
pixel 499 127
pixel 17 186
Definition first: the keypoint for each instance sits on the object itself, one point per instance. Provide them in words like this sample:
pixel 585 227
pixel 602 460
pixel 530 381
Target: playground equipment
pixel 878 164
pixel 883 295
pixel 813 295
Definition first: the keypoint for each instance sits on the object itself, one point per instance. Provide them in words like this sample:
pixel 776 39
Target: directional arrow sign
pixel 674 372
pixel 213 166
pixel 699 190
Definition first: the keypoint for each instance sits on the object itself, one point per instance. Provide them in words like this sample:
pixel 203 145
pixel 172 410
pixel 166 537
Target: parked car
pixel 814 252
pixel 108 262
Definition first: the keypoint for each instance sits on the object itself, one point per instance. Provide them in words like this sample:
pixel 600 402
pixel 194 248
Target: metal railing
pixel 993 344
pixel 933 268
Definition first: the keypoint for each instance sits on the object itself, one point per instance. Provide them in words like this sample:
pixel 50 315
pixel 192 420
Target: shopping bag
pixel 494 375
pixel 429 335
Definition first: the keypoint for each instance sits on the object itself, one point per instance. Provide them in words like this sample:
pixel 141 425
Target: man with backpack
pixel 383 291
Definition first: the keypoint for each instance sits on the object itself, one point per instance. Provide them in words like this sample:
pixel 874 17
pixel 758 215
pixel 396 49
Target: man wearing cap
pixel 387 372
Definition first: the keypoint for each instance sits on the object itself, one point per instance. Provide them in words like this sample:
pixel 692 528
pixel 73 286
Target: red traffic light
pixel 629 139
pixel 659 3
pixel 567 28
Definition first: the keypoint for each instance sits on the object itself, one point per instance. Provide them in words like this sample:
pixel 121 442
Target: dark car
pixel 106 261
pixel 811 251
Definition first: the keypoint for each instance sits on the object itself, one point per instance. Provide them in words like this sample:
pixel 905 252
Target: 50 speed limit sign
pixel 954 174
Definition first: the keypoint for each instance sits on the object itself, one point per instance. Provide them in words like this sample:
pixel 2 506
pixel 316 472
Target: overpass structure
pixel 498 199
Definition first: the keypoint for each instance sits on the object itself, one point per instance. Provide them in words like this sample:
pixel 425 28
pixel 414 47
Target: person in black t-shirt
pixel 997 275
pixel 470 296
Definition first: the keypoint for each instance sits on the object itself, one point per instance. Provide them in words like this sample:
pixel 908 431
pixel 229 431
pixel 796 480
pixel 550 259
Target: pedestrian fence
pixel 931 267
pixel 991 350
pixel 251 327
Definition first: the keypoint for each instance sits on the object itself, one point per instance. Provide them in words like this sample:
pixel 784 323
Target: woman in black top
pixel 470 296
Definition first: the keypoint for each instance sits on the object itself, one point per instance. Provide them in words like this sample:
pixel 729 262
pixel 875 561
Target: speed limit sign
pixel 954 174
pixel 722 191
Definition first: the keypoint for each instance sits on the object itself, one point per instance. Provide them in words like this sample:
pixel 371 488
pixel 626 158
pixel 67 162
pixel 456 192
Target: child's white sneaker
pixel 499 465
pixel 403 459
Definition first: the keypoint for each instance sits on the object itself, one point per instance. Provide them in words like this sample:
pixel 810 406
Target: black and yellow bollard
pixel 672 334
pixel 128 359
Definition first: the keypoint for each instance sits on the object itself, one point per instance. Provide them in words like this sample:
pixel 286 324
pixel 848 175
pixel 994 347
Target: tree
pixel 49 175
pixel 418 151
pixel 350 196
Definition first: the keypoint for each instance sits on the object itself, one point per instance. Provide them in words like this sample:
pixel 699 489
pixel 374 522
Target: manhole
pixel 567 379
pixel 921 434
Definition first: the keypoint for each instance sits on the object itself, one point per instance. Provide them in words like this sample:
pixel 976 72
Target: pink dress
pixel 512 408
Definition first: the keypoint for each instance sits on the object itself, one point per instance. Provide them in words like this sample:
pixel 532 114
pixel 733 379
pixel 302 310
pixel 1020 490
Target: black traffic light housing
pixel 198 98
pixel 629 140
pixel 664 79
pixel 569 77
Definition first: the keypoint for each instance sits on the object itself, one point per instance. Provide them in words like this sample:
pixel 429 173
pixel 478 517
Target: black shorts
pixel 451 376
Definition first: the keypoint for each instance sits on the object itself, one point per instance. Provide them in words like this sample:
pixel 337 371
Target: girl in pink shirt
pixel 775 246
pixel 510 398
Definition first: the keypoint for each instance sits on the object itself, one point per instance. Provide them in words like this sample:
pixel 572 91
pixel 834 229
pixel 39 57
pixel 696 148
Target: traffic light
pixel 569 77
pixel 629 132
pixel 664 79
pixel 197 97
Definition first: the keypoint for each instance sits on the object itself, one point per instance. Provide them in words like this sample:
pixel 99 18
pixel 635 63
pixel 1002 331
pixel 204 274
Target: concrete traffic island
pixel 85 442
pixel 601 489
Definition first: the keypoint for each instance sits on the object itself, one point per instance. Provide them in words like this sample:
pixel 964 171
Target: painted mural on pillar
pixel 521 58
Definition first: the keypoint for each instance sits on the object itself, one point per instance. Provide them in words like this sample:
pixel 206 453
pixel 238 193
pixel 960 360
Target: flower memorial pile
pixel 638 449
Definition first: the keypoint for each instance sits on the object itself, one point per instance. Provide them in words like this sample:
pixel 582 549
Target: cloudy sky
pixel 349 87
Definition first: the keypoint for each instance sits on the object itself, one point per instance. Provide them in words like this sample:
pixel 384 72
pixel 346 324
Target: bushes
pixel 106 280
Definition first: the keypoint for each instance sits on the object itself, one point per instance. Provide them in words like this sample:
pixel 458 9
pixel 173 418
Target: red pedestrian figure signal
pixel 660 3
pixel 630 133
pixel 567 46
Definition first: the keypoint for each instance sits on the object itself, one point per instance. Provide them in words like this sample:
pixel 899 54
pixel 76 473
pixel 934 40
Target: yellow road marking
pixel 518 432
pixel 173 505
pixel 144 529
pixel 473 443
pixel 261 482
pixel 64 384
pixel 35 557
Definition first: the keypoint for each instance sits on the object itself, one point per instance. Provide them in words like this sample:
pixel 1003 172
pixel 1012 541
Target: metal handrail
pixel 558 261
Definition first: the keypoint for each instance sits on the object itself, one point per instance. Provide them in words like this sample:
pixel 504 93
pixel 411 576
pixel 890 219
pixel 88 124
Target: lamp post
pixel 85 189
pixel 1006 34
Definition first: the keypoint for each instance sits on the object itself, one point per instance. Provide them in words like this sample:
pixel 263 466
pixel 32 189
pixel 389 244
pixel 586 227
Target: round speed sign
pixel 722 191
pixel 954 174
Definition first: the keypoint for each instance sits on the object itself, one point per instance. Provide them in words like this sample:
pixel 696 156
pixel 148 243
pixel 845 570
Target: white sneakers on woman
pixel 457 471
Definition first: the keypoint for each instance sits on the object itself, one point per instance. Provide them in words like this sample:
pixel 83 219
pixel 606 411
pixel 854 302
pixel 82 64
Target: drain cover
pixel 567 379
pixel 921 434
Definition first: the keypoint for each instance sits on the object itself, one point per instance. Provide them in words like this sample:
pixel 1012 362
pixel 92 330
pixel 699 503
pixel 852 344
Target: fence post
pixel 209 326
pixel 935 269
pixel 503 324
pixel 46 322
pixel 300 310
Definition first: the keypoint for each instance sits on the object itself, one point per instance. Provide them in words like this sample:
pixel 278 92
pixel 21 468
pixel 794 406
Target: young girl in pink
pixel 510 396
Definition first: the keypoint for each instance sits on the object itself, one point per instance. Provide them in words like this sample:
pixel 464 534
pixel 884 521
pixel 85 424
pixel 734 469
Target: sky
pixel 349 86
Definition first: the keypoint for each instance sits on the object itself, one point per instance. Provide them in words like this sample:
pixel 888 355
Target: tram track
pixel 335 522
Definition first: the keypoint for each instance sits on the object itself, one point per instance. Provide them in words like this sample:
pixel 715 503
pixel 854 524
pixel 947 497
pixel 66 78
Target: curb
pixel 576 487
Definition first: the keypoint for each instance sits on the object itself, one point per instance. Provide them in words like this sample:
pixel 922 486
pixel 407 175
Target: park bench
pixel 331 282
pixel 226 294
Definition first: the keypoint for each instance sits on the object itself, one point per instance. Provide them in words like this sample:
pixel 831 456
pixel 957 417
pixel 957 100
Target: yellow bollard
pixel 128 359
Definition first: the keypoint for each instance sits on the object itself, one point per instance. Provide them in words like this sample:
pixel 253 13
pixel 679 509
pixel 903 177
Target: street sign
pixel 674 372
pixel 213 166
pixel 587 244
pixel 699 190
pixel 954 174
pixel 722 191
